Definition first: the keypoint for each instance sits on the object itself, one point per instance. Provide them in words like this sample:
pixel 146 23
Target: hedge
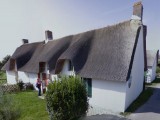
pixel 67 98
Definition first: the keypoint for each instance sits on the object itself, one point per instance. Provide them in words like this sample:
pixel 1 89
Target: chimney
pixel 48 35
pixel 137 11
pixel 25 41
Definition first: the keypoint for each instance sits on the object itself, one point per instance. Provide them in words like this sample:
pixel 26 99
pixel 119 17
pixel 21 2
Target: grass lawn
pixel 157 80
pixel 2 77
pixel 31 107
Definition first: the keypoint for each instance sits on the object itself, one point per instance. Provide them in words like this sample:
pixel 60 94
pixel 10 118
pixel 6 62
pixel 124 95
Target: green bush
pixel 8 110
pixel 21 85
pixel 28 86
pixel 67 99
pixel 158 70
pixel 2 75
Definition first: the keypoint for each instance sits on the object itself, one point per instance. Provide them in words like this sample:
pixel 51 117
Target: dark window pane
pixel 88 83
pixel 38 75
pixel 41 66
pixel 89 87
pixel 44 76
pixel 12 64
pixel 70 67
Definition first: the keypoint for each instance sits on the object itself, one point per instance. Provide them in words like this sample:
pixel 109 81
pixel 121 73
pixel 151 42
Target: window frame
pixel 42 66
pixel 70 66
pixel 88 84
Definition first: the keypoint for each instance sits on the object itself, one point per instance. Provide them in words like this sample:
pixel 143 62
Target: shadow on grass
pixel 153 105
pixel 157 80
pixel 143 98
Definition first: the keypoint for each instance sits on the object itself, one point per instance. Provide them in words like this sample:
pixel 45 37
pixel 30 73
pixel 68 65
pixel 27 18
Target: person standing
pixel 38 85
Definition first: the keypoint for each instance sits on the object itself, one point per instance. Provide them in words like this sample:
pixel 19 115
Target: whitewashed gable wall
pixel 137 73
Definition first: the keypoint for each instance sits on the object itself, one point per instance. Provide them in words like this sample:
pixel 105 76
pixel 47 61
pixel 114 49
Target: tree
pixel 4 61
pixel 67 99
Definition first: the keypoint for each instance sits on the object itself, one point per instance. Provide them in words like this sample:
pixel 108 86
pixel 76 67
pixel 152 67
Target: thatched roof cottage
pixel 111 60
pixel 152 62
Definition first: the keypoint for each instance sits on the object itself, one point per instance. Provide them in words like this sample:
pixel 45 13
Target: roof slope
pixel 105 53
pixel 151 56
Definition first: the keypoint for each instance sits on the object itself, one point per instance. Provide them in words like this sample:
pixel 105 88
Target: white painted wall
pixel 33 78
pixel 137 74
pixel 28 77
pixel 11 77
pixel 154 69
pixel 65 69
pixel 23 76
pixel 151 73
pixel 54 77
pixel 108 95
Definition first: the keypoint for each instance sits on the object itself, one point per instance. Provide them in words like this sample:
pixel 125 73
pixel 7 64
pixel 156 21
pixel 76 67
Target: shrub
pixel 8 110
pixel 158 70
pixel 21 85
pixel 28 86
pixel 67 98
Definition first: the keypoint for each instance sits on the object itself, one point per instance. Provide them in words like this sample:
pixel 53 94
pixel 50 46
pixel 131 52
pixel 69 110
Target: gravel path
pixel 104 117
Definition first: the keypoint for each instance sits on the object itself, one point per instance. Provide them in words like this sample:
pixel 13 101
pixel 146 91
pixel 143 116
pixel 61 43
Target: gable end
pixel 133 54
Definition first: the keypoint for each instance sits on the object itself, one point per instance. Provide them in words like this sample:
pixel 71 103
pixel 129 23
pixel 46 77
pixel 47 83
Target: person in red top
pixel 38 85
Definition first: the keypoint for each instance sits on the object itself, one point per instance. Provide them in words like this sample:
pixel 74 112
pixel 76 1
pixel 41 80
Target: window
pixel 70 66
pixel 44 76
pixel 41 66
pixel 12 64
pixel 88 83
pixel 38 75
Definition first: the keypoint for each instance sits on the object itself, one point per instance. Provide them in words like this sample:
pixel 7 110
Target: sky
pixel 28 19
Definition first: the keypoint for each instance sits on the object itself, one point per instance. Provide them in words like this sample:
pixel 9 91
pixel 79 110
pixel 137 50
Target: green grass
pixel 158 69
pixel 155 82
pixel 31 107
pixel 3 77
pixel 143 97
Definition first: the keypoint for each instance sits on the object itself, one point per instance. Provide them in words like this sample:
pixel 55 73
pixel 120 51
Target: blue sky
pixel 30 18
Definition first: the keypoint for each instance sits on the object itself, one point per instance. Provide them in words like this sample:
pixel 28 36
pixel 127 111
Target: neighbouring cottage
pixel 152 61
pixel 111 60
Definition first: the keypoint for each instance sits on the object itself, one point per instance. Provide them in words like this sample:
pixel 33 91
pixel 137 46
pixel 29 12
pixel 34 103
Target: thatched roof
pixel 105 53
pixel 152 55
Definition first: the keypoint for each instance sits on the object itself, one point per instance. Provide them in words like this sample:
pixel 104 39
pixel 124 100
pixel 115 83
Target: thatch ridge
pixel 151 56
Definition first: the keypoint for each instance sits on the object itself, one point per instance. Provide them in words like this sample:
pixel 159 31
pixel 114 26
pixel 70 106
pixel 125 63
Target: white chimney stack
pixel 137 11
pixel 48 35
pixel 25 41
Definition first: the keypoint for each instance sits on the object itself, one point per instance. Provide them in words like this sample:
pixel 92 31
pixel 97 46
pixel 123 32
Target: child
pixel 38 85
